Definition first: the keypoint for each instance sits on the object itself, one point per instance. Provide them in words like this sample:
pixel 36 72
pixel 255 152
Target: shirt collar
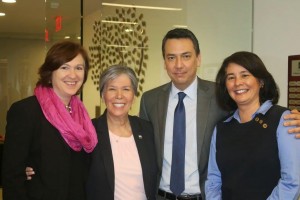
pixel 261 110
pixel 190 91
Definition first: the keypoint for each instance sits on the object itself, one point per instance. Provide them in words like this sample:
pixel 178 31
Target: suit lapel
pixel 203 103
pixel 138 135
pixel 105 149
pixel 162 108
pixel 139 139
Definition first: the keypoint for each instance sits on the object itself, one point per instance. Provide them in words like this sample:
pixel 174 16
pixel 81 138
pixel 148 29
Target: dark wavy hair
pixel 256 67
pixel 58 54
pixel 180 33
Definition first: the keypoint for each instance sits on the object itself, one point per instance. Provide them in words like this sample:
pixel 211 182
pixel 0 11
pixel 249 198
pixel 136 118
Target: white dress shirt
pixel 192 185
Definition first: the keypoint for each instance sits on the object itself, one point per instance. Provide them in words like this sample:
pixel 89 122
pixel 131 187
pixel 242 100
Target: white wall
pixel 222 28
pixel 276 36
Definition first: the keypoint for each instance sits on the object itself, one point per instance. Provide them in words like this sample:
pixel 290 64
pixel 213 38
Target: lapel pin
pixel 140 137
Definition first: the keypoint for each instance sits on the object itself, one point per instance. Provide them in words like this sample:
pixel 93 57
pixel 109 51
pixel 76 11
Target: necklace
pixel 69 108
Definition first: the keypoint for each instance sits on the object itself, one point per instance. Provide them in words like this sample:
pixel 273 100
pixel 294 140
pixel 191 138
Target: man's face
pixel 181 61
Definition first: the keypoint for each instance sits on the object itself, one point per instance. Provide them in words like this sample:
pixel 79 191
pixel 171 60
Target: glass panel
pixel 63 21
pixel 21 52
pixel 23 46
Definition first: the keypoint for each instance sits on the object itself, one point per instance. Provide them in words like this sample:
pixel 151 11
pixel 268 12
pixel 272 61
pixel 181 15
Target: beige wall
pixel 19 62
pixel 219 31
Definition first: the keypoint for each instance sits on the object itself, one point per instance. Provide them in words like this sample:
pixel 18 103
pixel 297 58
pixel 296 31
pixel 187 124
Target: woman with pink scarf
pixel 51 132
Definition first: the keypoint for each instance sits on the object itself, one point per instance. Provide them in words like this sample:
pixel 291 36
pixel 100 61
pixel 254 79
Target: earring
pixel 262 84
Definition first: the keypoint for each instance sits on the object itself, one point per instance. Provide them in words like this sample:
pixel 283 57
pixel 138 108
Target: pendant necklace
pixel 69 108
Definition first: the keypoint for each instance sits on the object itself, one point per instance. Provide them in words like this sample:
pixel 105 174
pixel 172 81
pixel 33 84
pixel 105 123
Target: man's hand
pixel 29 173
pixel 294 120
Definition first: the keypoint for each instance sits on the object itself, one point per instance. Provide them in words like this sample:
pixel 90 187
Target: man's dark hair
pixel 181 33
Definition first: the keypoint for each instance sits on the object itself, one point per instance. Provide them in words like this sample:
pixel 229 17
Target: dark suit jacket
pixel 101 179
pixel 30 140
pixel 153 108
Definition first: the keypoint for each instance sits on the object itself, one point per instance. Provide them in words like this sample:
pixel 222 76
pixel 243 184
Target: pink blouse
pixel 129 182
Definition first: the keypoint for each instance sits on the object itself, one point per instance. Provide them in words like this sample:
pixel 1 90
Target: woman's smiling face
pixel 118 95
pixel 242 86
pixel 68 78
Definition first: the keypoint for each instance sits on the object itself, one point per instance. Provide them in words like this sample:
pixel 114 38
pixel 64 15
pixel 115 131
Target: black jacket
pixel 101 178
pixel 30 140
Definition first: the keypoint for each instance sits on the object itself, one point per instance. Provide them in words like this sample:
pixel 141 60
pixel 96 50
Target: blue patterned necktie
pixel 178 148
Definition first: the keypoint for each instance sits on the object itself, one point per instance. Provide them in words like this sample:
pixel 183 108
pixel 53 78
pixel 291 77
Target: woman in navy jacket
pixel 123 164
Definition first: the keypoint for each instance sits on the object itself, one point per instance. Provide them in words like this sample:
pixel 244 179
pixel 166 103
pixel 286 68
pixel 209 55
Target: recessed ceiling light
pixel 180 26
pixel 9 1
pixel 123 46
pixel 127 30
pixel 54 5
pixel 118 22
pixel 138 6
pixel 2 14
pixel 115 45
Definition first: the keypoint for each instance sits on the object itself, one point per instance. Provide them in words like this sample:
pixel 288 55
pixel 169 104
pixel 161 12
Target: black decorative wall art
pixel 120 39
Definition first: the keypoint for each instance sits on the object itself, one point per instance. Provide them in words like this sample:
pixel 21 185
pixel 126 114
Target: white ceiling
pixel 26 18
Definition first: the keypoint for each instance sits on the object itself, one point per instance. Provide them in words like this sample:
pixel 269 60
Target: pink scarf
pixel 76 128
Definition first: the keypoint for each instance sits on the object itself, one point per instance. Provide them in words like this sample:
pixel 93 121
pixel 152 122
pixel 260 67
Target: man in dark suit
pixel 182 57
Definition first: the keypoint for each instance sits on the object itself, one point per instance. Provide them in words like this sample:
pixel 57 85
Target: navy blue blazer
pixel 101 178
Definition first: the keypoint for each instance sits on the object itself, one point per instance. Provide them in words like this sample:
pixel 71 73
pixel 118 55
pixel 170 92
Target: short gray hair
pixel 113 72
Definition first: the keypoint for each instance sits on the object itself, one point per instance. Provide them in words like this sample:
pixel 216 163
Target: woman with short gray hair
pixel 123 164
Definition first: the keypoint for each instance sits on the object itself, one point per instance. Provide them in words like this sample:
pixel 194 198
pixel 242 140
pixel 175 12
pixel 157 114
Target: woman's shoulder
pixel 139 120
pixel 277 112
pixel 28 103
pixel 99 120
pixel 25 111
